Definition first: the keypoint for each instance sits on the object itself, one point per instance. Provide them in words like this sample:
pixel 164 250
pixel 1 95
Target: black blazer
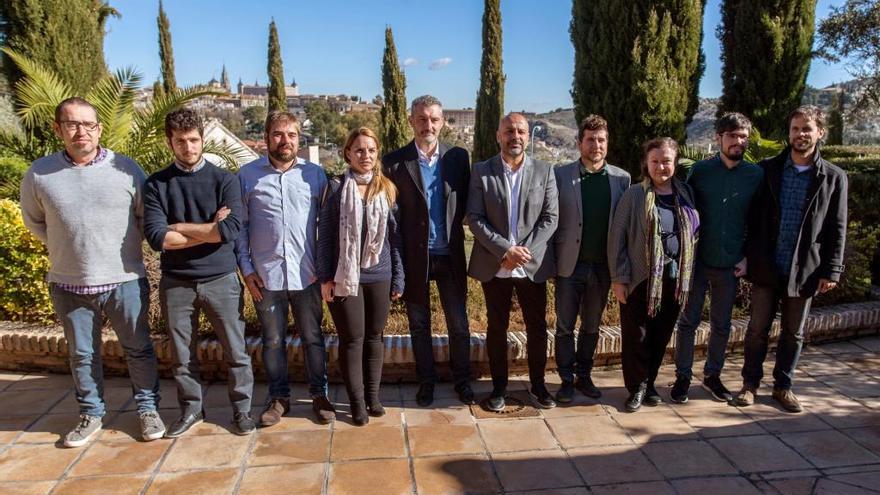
pixel 819 250
pixel 402 167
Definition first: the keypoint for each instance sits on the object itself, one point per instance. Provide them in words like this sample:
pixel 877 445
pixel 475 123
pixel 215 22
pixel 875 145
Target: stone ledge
pixel 28 347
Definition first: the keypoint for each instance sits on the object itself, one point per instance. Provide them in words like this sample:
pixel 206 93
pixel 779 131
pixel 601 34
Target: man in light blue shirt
pixel 276 254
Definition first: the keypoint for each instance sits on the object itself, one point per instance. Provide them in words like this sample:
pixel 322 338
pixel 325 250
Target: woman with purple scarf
pixel 651 255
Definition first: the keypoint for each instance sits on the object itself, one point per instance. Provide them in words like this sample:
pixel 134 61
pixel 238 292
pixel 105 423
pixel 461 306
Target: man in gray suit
pixel 512 212
pixel 589 189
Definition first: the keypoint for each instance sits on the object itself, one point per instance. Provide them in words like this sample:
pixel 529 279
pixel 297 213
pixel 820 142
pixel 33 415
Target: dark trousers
pixel 360 321
pixel 453 298
pixel 584 293
pixel 221 300
pixel 766 301
pixel 645 339
pixel 532 299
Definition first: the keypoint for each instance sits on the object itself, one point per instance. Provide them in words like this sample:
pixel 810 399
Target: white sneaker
pixel 152 426
pixel 87 428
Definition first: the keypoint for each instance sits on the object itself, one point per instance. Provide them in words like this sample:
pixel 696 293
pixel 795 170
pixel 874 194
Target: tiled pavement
pixel 701 447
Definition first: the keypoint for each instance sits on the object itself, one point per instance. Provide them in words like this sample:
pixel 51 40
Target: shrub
pixel 855 283
pixel 12 169
pixel 23 267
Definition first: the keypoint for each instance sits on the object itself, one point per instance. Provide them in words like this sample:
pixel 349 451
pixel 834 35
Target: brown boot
pixel 786 398
pixel 323 409
pixel 745 397
pixel 273 412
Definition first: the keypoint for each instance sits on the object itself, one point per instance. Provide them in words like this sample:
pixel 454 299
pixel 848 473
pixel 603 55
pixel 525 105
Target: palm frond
pixel 231 154
pixel 113 96
pixel 38 93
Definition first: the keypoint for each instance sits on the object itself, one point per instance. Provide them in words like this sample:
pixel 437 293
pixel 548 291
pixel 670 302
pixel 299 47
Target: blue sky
pixel 335 46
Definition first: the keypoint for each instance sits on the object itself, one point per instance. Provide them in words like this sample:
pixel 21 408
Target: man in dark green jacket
pixel 724 186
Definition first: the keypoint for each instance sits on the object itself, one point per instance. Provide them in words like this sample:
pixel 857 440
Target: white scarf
pixel 352 257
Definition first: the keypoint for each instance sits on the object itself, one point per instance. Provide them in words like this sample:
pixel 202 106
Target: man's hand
pixel 515 257
pixel 825 285
pixel 741 268
pixel 619 290
pixel 221 214
pixel 327 289
pixel 254 283
pixel 395 296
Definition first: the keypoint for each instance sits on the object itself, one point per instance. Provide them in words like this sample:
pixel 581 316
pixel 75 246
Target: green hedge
pixel 23 267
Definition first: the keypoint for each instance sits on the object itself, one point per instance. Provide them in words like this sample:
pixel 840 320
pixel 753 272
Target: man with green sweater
pixel 192 214
pixel 84 203
pixel 723 186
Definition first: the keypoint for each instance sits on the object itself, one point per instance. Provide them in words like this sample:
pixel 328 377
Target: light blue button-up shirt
pixel 279 232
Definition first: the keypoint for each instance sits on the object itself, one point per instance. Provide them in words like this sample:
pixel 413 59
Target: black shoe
pixel 634 401
pixel 375 409
pixel 652 398
pixel 679 393
pixel 541 397
pixel 585 385
pixel 425 395
pixel 565 394
pixel 359 415
pixel 465 393
pixel 243 424
pixel 713 385
pixel 184 423
pixel 495 403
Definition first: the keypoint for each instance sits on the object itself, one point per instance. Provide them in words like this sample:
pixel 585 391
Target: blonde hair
pixel 380 184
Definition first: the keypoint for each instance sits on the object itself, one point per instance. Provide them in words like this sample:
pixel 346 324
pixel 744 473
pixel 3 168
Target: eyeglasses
pixel 71 125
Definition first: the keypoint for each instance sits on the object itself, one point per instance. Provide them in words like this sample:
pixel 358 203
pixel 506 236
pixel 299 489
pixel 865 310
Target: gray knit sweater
pixel 88 217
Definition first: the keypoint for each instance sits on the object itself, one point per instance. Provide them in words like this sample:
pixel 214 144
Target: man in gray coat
pixel 589 189
pixel 512 212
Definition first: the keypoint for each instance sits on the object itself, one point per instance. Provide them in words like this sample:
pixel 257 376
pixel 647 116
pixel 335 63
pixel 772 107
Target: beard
pixel 285 154
pixel 734 154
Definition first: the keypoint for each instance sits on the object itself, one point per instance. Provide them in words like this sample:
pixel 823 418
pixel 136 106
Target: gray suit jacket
pixel 567 240
pixel 488 218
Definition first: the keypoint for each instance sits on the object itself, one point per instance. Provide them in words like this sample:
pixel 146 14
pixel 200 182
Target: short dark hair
pixel 183 119
pixel 653 144
pixel 591 123
pixel 810 112
pixel 732 121
pixel 276 116
pixel 74 100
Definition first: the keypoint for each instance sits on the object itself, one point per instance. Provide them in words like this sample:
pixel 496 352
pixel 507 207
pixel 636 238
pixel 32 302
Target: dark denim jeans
pixel 584 293
pixel 81 316
pixel 453 299
pixel 766 300
pixel 221 300
pixel 723 284
pixel 307 310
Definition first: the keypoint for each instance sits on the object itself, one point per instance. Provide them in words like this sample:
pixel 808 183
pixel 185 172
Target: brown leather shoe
pixel 787 399
pixel 745 397
pixel 323 409
pixel 273 412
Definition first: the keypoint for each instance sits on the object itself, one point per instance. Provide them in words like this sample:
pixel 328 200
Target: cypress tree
pixel 490 98
pixel 638 65
pixel 166 53
pixel 835 120
pixel 766 49
pixel 66 36
pixel 277 96
pixel 158 89
pixel 394 124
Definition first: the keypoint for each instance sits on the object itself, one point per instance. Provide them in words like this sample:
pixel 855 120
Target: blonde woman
pixel 360 267
pixel 650 257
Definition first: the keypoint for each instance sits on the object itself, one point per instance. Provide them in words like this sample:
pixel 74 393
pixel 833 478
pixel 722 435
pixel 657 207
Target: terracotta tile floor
pixel 588 446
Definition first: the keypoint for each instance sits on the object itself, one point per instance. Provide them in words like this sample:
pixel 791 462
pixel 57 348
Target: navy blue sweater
pixel 390 264
pixel 174 196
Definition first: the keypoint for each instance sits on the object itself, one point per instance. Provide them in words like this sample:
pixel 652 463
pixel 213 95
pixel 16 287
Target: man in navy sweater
pixel 192 214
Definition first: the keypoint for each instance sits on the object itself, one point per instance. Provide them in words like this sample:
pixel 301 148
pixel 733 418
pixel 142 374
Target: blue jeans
pixel 723 284
pixel 307 313
pixel 766 300
pixel 584 293
pixel 81 316
pixel 453 299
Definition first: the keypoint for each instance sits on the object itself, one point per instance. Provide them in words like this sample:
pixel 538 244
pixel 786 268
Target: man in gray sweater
pixel 85 204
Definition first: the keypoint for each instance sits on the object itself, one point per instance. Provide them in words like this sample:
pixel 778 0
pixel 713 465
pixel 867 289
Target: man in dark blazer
pixel 432 180
pixel 794 249
pixel 512 211
pixel 589 189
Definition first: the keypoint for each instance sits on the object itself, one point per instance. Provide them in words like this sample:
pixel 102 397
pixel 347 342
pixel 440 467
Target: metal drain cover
pixel 517 406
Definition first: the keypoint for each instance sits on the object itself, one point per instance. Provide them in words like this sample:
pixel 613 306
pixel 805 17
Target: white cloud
pixel 440 63
pixel 409 61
